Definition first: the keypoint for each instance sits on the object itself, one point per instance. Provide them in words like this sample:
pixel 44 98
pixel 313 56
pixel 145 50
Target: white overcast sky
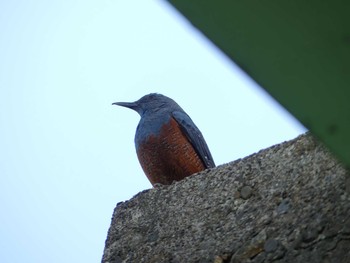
pixel 67 155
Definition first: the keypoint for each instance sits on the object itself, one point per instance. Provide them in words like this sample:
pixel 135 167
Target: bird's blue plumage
pixel 167 141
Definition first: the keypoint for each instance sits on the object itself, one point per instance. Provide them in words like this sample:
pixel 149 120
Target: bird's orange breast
pixel 169 156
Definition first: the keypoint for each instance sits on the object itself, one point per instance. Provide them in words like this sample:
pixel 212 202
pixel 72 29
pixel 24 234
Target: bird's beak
pixel 130 105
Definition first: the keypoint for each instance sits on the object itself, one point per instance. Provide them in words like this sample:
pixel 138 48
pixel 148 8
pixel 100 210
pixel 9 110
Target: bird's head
pixel 150 103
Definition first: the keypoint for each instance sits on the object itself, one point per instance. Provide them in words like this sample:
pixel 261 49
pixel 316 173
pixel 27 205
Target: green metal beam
pixel 299 51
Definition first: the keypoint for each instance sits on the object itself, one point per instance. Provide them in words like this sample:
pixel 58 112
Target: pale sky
pixel 68 155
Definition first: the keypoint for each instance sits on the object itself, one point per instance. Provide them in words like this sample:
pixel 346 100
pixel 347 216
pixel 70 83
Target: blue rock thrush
pixel 169 145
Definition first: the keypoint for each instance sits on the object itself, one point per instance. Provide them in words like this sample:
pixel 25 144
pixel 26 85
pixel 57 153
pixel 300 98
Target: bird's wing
pixel 195 137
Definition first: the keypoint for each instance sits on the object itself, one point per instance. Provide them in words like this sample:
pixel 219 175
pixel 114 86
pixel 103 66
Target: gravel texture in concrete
pixel 287 203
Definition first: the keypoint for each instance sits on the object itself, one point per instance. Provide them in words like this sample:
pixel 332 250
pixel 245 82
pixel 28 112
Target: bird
pixel 168 144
